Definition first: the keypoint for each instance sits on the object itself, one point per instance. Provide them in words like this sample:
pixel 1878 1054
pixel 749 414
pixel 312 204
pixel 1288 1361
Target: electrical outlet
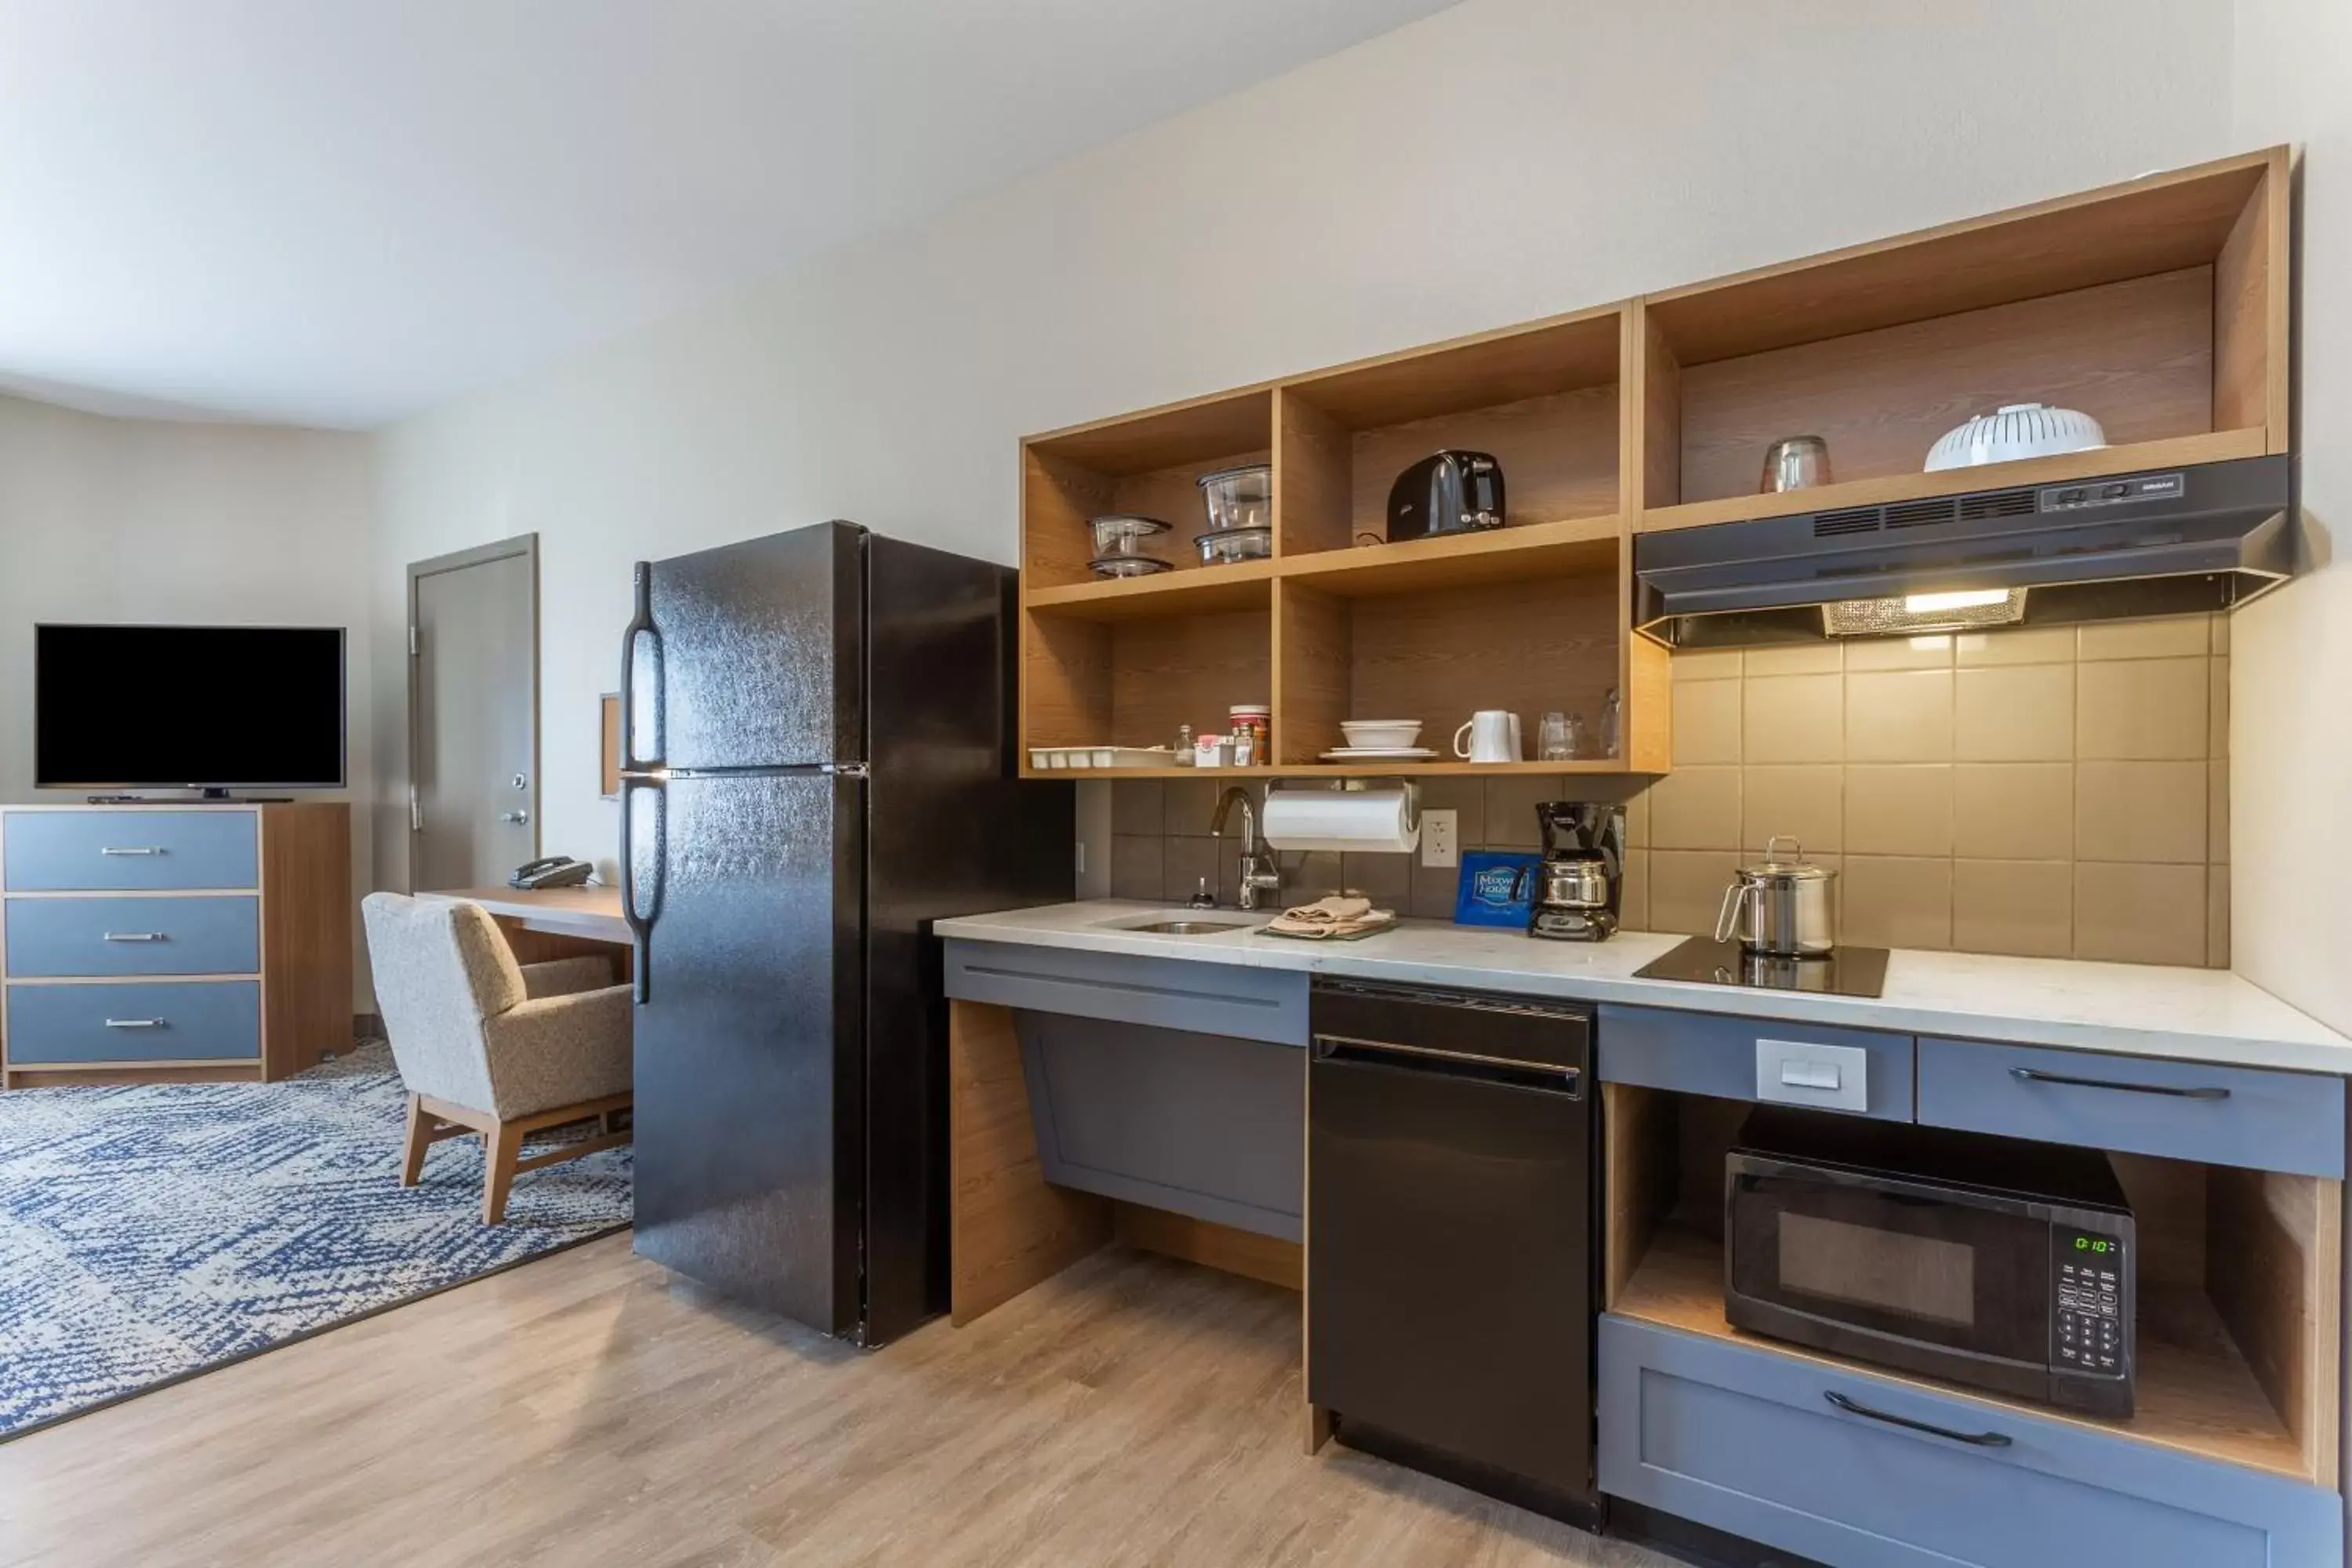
pixel 1441 843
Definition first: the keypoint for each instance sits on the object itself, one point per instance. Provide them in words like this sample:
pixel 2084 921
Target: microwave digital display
pixel 1915 1276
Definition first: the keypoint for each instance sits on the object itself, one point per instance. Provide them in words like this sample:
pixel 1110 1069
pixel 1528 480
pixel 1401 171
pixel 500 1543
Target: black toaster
pixel 1446 492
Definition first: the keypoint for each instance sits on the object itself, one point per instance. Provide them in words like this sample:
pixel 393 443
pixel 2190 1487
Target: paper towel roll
pixel 1363 819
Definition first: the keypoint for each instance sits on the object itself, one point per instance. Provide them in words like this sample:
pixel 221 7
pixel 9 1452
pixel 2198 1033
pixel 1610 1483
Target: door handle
pixel 641 921
pixel 134 1023
pixel 518 817
pixel 2201 1092
pixel 134 936
pixel 132 849
pixel 1974 1439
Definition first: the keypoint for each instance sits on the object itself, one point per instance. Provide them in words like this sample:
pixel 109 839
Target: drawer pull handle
pixel 1975 1439
pixel 2203 1092
pixel 134 936
pixel 134 1023
pixel 132 849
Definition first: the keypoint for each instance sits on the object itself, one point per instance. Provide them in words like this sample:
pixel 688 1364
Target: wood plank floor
pixel 584 1410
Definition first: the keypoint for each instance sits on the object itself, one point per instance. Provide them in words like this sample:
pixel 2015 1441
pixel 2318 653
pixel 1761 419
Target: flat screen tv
pixel 213 708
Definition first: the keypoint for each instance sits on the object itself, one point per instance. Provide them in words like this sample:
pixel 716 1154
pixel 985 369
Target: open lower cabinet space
pixel 2238 1323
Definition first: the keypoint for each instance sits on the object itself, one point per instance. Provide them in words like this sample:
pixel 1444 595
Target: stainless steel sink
pixel 1188 927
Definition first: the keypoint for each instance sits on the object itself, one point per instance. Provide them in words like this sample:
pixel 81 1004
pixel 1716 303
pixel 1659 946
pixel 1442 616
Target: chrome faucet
pixel 1258 871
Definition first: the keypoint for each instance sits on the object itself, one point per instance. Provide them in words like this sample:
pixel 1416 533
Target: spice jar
pixel 1255 720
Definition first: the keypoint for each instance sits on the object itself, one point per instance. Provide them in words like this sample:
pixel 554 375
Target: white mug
pixel 1493 736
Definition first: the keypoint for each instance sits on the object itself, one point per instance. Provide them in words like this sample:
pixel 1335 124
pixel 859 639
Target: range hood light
pixel 1946 612
pixel 1966 599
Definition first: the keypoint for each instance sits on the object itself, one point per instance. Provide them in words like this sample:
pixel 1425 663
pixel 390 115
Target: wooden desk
pixel 554 922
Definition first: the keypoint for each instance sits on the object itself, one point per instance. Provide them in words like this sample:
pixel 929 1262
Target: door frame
pixel 525 545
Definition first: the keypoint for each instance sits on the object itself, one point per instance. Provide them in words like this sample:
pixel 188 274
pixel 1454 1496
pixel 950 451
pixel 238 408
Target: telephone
pixel 555 871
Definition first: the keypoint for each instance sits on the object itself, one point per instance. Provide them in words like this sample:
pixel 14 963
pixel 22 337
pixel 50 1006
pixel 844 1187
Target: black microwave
pixel 1986 1261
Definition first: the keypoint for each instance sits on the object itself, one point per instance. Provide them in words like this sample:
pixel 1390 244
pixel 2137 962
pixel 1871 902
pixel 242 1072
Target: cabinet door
pixel 1869 1472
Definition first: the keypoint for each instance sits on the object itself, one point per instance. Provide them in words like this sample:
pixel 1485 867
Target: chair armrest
pixel 566 976
pixel 559 1050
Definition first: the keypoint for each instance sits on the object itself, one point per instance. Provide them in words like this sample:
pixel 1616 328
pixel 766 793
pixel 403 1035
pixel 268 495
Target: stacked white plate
pixel 1380 741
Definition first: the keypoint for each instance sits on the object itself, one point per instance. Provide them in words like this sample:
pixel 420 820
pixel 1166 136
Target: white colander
pixel 2016 430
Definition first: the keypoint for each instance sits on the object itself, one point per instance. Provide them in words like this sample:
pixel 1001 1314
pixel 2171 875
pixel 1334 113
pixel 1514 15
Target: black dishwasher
pixel 1451 1277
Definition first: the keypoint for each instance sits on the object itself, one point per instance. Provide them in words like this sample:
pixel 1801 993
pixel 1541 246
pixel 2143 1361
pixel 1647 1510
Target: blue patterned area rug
pixel 151 1232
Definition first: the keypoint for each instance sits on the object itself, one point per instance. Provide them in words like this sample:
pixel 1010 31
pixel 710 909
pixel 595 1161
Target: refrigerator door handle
pixel 642 915
pixel 641 625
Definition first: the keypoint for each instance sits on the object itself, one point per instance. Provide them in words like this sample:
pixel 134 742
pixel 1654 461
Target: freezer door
pixel 750 1071
pixel 752 655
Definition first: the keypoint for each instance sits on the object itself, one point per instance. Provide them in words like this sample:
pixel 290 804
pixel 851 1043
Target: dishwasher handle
pixel 1510 1071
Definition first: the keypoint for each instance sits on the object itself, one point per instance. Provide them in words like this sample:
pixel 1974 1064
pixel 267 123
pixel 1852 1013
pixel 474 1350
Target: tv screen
pixel 188 707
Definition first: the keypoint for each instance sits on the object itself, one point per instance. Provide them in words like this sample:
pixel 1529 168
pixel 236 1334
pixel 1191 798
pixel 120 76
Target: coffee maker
pixel 1580 886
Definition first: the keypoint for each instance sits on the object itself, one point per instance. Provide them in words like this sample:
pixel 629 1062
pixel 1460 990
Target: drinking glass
pixel 1553 742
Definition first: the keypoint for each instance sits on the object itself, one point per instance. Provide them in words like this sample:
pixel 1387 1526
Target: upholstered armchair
pixel 485 1045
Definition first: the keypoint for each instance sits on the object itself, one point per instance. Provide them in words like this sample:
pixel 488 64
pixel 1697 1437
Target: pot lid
pixel 1793 868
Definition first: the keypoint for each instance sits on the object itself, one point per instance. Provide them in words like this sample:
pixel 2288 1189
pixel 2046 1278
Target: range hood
pixel 2154 542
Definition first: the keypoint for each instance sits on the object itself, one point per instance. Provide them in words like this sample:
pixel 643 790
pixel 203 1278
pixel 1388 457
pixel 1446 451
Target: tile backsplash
pixel 2056 792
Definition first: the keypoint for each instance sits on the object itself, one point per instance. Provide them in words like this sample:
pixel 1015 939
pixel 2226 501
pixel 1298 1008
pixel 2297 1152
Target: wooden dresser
pixel 147 943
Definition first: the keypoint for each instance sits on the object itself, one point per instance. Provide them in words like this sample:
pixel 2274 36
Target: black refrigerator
pixel 818 762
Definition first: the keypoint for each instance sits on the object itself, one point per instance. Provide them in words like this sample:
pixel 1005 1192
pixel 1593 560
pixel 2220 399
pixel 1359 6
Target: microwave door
pixel 1872 1264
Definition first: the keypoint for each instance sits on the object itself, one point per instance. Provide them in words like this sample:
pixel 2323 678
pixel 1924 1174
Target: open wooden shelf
pixel 2238 1269
pixel 2195 1390
pixel 2179 451
pixel 1542 399
pixel 1460 560
pixel 2159 306
pixel 1236 586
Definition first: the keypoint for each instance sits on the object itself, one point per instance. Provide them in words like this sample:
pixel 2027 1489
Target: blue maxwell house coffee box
pixel 1497 889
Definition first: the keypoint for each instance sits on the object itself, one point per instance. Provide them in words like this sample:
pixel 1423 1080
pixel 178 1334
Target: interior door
pixel 473 703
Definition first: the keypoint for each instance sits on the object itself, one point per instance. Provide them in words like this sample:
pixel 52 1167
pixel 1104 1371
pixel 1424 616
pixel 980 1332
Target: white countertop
pixel 2147 1010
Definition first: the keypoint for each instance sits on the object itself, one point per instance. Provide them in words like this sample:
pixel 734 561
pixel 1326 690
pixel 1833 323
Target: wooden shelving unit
pixel 2159 306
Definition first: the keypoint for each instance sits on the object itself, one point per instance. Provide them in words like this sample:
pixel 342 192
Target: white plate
pixel 1378 753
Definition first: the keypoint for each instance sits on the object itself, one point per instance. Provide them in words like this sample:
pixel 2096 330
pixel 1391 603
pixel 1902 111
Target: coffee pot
pixel 1579 887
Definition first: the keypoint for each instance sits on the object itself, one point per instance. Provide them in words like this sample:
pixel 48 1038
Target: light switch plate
pixel 1800 1072
pixel 1440 838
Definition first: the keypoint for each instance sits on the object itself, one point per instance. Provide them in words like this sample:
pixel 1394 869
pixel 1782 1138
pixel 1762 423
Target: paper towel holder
pixel 1411 788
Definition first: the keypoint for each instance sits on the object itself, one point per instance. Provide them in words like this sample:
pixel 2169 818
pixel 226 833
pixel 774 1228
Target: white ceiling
pixel 337 211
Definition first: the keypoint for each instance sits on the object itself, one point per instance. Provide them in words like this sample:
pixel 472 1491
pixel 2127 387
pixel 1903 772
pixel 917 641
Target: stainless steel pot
pixel 1780 906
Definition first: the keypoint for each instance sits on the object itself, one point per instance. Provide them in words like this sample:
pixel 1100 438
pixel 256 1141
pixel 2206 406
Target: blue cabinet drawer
pixel 1168 993
pixel 1732 1057
pixel 135 1021
pixel 1748 1440
pixel 2265 1120
pixel 102 937
pixel 103 851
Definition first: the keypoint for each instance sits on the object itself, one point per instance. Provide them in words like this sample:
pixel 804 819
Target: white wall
pixel 2290 652
pixel 136 519
pixel 1500 160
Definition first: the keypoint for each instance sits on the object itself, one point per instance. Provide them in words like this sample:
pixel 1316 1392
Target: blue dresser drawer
pixel 102 937
pixel 1748 1440
pixel 1168 993
pixel 131 1022
pixel 103 851
pixel 1732 1057
pixel 2262 1119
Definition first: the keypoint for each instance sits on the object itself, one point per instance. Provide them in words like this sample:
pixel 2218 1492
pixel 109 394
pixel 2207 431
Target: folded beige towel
pixel 1333 917
pixel 1337 909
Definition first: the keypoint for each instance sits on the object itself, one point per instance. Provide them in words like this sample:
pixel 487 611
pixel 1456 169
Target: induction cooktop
pixel 1840 972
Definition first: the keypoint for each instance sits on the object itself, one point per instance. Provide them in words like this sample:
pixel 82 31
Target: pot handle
pixel 1461 740
pixel 1727 918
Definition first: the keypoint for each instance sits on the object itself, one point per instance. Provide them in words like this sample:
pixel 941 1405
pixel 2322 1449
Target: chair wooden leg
pixel 420 1138
pixel 501 1146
